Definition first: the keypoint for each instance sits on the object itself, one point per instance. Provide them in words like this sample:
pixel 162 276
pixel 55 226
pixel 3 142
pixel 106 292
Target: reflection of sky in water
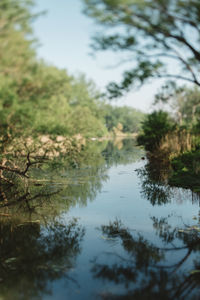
pixel 119 197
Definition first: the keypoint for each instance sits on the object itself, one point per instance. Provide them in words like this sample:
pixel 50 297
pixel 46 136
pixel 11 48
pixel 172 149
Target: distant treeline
pixel 37 98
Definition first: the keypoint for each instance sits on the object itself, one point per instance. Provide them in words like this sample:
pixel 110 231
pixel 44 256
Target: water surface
pixel 106 231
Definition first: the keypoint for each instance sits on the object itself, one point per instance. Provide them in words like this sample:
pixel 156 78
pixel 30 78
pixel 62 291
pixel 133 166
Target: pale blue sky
pixel 64 34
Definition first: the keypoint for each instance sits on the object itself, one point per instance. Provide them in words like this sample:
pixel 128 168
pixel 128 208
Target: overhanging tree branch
pixel 156 27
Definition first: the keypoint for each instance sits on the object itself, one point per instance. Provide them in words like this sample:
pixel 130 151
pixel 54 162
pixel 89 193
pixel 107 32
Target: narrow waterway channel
pixel 109 232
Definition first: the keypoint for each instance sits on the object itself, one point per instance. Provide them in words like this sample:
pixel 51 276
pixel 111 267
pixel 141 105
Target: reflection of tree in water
pixel 145 271
pixel 32 256
pixel 57 178
pixel 154 182
pixel 55 183
pixel 34 253
pixel 58 183
pixel 125 154
pixel 154 177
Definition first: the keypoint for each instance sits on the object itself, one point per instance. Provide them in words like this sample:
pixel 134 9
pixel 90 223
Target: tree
pixel 159 37
pixel 183 103
pixel 17 56
pixel 129 117
pixel 155 127
pixel 16 14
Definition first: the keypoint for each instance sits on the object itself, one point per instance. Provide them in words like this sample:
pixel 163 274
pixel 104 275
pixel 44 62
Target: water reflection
pixel 155 256
pixel 32 256
pixel 154 183
pixel 121 151
pixel 56 185
pixel 37 247
pixel 145 268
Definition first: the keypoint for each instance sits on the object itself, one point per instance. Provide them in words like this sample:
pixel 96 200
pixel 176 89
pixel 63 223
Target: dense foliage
pixel 155 127
pixel 36 98
pixel 128 117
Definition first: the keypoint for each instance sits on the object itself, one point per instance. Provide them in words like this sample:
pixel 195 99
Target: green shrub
pixel 155 127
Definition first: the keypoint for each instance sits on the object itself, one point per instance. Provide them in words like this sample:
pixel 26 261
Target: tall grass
pixel 177 141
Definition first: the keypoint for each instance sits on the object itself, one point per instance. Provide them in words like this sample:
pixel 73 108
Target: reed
pixel 177 142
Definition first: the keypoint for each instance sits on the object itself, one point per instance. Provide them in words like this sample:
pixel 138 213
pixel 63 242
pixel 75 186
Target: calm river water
pixel 109 230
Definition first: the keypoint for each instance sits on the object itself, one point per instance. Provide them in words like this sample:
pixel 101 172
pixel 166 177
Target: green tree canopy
pixel 160 38
pixel 128 117
pixel 155 127
pixel 183 103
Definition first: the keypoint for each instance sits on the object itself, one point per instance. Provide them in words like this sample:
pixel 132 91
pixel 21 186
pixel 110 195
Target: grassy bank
pixel 174 148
